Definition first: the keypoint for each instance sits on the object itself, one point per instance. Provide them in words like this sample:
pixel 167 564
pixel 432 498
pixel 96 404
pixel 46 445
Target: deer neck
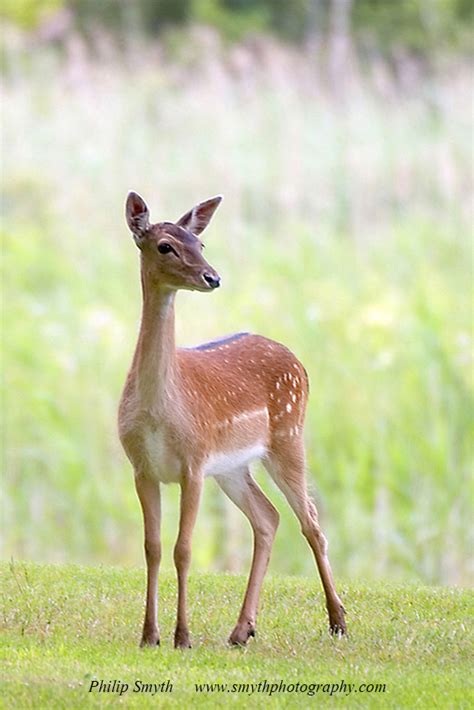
pixel 154 362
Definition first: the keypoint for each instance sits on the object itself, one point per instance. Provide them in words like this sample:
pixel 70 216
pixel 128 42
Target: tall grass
pixel 344 233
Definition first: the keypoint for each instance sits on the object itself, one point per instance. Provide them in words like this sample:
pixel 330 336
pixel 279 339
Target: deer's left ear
pixel 197 219
pixel 138 216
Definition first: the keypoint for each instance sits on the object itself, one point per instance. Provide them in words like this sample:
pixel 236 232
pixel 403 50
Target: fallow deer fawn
pixel 189 413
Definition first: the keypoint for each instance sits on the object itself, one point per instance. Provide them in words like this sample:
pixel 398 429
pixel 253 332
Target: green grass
pixel 65 626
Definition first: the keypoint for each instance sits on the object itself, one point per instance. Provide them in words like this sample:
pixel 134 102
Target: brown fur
pixel 187 412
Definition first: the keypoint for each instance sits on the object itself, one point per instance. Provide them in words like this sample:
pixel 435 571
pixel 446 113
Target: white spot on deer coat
pixel 247 416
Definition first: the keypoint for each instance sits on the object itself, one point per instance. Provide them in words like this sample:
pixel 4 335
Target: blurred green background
pixel 340 134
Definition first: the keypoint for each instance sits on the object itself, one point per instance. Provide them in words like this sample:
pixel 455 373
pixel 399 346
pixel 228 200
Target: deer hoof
pixel 337 623
pixel 181 639
pixel 241 634
pixel 149 640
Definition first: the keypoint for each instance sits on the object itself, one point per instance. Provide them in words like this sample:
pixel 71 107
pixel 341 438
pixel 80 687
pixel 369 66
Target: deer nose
pixel 213 281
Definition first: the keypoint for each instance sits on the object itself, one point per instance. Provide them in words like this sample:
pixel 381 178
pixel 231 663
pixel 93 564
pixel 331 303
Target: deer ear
pixel 138 216
pixel 197 219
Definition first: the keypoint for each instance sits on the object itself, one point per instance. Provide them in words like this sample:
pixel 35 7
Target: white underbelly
pixel 222 463
pixel 240 449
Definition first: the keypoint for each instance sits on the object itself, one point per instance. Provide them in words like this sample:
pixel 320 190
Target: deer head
pixel 171 252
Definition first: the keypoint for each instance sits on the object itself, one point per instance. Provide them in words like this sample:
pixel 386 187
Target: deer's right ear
pixel 138 216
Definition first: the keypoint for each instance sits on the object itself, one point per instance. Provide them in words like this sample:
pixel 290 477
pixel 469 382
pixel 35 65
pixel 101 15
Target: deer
pixel 187 414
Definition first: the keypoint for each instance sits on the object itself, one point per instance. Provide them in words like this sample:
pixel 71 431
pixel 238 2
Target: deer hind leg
pixel 287 468
pixel 191 489
pixel 263 517
pixel 149 495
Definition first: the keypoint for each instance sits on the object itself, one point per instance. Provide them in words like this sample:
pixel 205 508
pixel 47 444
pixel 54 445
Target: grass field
pixel 65 626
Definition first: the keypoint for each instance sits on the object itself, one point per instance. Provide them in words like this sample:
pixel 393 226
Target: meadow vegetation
pixel 344 233
pixel 64 627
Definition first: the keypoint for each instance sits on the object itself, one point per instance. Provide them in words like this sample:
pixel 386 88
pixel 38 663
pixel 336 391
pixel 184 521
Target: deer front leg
pixel 150 499
pixel 191 488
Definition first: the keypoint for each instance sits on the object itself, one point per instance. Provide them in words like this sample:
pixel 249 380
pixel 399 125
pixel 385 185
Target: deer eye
pixel 165 248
